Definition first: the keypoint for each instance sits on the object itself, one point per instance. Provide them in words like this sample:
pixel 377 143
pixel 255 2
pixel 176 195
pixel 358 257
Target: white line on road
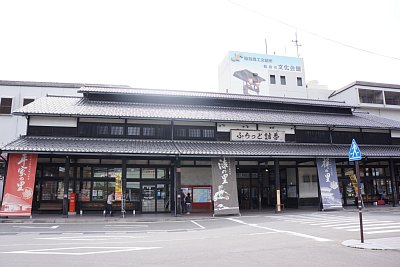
pixel 367 228
pixel 36 227
pixel 58 251
pixel 199 225
pixel 382 232
pixel 125 225
pixel 319 239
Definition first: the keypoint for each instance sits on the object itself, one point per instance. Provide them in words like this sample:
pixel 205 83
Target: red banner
pixel 20 184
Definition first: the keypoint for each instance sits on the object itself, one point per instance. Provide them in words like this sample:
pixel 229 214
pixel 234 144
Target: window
pixel 149 131
pixel 194 132
pixel 180 132
pixel 392 98
pixel 133 130
pixel 102 129
pixel 117 130
pixel 208 133
pixel 27 101
pixel 5 105
pixel 272 79
pixel 299 81
pixel 283 80
pixel 370 96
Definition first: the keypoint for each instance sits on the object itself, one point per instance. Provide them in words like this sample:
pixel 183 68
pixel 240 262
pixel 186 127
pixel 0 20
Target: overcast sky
pixel 178 44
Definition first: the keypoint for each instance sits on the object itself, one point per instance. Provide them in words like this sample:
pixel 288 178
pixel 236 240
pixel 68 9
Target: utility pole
pixel 296 43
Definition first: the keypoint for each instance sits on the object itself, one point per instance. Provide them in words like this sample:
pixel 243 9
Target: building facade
pixel 165 143
pixel 381 99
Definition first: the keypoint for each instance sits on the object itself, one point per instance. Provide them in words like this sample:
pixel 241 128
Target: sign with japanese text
pixel 118 186
pixel 260 136
pixel 354 182
pixel 328 183
pixel 20 184
pixel 224 185
pixel 227 127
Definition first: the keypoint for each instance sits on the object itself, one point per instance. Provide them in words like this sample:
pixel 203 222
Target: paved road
pixel 296 239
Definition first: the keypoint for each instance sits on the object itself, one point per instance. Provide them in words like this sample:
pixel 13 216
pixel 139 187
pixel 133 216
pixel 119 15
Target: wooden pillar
pixel 66 186
pixel 393 182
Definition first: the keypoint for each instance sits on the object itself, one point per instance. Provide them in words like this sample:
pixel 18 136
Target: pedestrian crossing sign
pixel 354 152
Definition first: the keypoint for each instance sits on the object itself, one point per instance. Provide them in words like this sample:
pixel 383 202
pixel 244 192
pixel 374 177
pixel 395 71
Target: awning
pixel 102 146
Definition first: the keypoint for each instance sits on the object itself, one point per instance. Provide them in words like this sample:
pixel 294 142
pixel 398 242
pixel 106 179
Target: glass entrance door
pixel 148 198
pixel 155 198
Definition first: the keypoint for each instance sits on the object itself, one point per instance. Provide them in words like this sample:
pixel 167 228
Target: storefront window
pixel 49 190
pixel 99 172
pixel 148 173
pixel 86 172
pixel 161 174
pixel 308 182
pixel 112 172
pixel 133 191
pixel 51 171
pixel 99 191
pixel 133 173
pixel 84 190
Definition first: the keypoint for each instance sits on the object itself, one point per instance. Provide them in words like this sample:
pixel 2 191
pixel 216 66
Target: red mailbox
pixel 72 202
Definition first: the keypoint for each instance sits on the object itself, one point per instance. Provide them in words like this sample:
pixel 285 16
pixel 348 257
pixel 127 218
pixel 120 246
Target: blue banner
pixel 328 183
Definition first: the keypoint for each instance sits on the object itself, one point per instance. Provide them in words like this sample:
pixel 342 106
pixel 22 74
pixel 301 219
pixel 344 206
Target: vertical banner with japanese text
pixel 224 186
pixel 118 186
pixel 20 184
pixel 328 182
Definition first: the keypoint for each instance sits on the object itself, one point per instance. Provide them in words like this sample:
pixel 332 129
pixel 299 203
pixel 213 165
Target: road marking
pixel 319 239
pixel 382 232
pixel 89 238
pixel 125 225
pixel 36 227
pixel 58 251
pixel 384 226
pixel 263 233
pixel 199 225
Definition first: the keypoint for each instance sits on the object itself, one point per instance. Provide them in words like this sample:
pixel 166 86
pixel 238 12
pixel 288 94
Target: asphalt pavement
pixel 387 243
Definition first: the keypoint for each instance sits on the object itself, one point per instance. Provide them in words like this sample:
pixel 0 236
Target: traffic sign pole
pixel 359 203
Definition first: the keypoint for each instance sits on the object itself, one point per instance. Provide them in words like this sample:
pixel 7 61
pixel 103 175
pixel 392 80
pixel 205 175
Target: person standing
pixel 183 202
pixel 188 202
pixel 110 200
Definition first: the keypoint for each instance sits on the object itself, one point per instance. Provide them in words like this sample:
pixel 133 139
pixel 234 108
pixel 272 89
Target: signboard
pixel 257 136
pixel 20 184
pixel 227 127
pixel 277 128
pixel 354 152
pixel 118 186
pixel 328 183
pixel 353 180
pixel 202 194
pixel 224 181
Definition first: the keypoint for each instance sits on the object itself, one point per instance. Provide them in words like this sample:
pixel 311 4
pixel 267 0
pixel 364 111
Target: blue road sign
pixel 354 152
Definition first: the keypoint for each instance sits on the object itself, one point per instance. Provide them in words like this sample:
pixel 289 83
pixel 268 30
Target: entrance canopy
pixel 96 146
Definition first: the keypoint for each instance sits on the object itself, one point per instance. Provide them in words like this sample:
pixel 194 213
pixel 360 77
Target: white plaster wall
pixel 14 126
pixel 196 176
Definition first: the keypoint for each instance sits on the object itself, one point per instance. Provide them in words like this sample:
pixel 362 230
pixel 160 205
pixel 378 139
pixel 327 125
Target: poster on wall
pixel 20 182
pixel 225 188
pixel 201 194
pixel 328 182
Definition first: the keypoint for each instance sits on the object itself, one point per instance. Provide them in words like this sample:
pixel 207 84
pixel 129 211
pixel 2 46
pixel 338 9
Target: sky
pixel 179 44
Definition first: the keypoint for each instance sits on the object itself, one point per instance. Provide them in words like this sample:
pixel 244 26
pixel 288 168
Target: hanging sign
pixel 20 184
pixel 225 188
pixel 328 183
pixel 353 180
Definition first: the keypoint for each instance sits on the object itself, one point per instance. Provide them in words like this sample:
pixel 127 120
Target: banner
pixel 224 186
pixel 118 186
pixel 353 180
pixel 328 183
pixel 20 184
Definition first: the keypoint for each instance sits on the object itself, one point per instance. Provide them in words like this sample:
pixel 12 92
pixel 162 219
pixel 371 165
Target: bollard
pixel 134 212
pixel 104 213
pixel 81 212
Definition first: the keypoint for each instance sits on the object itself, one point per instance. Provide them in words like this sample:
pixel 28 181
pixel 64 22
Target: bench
pixel 50 206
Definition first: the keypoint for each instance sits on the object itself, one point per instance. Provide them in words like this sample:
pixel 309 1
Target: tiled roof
pixel 212 95
pixel 70 145
pixel 81 107
pixel 90 145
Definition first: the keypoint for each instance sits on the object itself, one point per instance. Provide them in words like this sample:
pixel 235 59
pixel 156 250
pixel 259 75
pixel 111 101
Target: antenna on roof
pixel 297 44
